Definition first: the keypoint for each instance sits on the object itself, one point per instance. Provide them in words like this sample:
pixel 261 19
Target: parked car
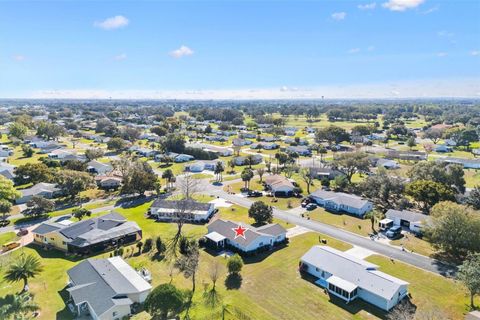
pixel 22 232
pixel 305 202
pixel 311 206
pixel 394 232
pixel 254 194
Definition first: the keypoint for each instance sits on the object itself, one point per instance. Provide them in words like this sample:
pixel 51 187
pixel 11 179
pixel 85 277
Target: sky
pixel 239 49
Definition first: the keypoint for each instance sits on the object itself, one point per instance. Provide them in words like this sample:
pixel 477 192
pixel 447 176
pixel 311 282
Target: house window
pixel 114 314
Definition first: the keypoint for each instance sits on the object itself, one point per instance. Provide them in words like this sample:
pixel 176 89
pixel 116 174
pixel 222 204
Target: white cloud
pixel 431 10
pixel 19 57
pixel 402 5
pixel 475 53
pixel 433 88
pixel 120 57
pixel 112 23
pixel 183 51
pixel 354 50
pixel 367 6
pixel 442 54
pixel 445 34
pixel 339 16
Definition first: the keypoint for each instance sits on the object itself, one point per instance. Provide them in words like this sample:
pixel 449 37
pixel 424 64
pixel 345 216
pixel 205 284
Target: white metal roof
pixel 215 236
pixel 342 284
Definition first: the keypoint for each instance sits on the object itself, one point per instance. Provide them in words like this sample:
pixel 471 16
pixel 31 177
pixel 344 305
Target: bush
pixel 235 264
pixel 160 246
pixel 148 245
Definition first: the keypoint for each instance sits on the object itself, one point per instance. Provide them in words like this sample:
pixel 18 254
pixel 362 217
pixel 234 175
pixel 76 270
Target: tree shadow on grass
pixel 233 281
pixel 65 313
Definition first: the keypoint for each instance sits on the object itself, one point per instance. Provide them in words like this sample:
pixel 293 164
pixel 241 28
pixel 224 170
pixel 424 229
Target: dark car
pixel 394 232
pixel 22 232
pixel 311 206
pixel 254 194
pixel 305 202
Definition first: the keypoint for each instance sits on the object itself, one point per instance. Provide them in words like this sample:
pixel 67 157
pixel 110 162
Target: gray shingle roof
pixel 45 228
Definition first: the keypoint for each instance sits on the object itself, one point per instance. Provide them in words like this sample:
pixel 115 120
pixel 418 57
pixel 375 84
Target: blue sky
pixel 239 49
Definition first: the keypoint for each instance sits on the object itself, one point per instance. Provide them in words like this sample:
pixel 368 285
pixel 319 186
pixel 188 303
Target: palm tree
pixel 27 266
pixel 373 216
pixel 18 306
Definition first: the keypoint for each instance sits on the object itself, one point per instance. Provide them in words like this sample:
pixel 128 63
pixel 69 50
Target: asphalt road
pixel 395 253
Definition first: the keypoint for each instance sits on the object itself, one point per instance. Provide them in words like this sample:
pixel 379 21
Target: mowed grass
pixel 341 220
pixel 7 237
pixel 429 291
pixel 271 287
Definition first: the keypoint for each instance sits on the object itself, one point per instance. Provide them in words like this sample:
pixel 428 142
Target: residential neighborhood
pixel 240 160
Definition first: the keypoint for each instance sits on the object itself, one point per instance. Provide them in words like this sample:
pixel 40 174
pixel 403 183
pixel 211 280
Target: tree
pixel 384 190
pixel 18 306
pixel 38 205
pixel 80 213
pixel 93 154
pixel 428 193
pixel 159 131
pixel 332 134
pixel 27 151
pixel 8 194
pixel 116 144
pixel 473 199
pixel 160 245
pixel 218 170
pixel 23 268
pixel 404 310
pixel 17 130
pixel 164 301
pixel 33 173
pixel 173 143
pixel 235 264
pixel 261 212
pixel 73 182
pixel 281 157
pixel 247 175
pixel 308 175
pixel 188 186
pixel 49 130
pixel 469 274
pixel 434 134
pixel 351 163
pixel 444 173
pixel 454 229
pixel 168 176
pixel 214 272
pixel 188 263
pixel 139 178
pixel 261 172
pixel 373 216
pixel 74 164
pixel 411 142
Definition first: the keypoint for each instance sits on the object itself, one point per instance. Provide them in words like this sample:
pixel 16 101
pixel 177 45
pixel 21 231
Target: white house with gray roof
pixel 106 289
pixel 350 278
pixel 414 221
pixel 339 201
pixel 187 210
pixel 42 189
pixel 221 233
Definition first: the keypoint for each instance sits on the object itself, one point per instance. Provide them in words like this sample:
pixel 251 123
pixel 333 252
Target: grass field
pixel 271 287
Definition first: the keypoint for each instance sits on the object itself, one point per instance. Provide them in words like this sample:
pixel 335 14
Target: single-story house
pixel 145 152
pixel 218 150
pixel 199 166
pixel 5 151
pixel 178 158
pixel 325 172
pixel 407 155
pixel 108 181
pixel 301 150
pixel 339 201
pixel 42 189
pixel 349 278
pixel 241 160
pixel 241 142
pixel 442 148
pixel 279 185
pixel 387 164
pixel 414 221
pixel 467 163
pixel 221 235
pixel 97 167
pixel 106 289
pixel 187 210
pixel 60 154
pixel 7 170
pixel 88 236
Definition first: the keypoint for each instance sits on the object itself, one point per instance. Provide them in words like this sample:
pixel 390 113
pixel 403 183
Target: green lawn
pixel 342 221
pixel 7 237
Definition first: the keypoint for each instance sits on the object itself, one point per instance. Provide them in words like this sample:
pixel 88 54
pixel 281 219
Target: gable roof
pixel 104 282
pixel 407 215
pixel 225 228
pixel 359 272
pixel 38 188
pixel 350 200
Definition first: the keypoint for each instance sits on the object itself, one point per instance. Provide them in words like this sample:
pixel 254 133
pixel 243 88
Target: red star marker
pixel 240 231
